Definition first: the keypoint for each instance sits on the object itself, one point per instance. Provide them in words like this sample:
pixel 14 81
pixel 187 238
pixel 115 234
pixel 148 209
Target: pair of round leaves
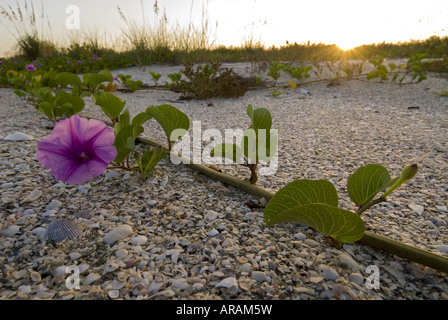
pixel 314 203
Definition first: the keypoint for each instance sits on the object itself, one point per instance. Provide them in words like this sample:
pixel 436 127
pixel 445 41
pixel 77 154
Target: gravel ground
pixel 180 235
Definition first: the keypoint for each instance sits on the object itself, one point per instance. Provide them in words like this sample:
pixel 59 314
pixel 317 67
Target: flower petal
pixel 77 150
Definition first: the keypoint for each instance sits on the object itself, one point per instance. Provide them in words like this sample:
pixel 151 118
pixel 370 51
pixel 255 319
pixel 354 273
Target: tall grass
pixel 28 28
pixel 157 41
pixel 154 39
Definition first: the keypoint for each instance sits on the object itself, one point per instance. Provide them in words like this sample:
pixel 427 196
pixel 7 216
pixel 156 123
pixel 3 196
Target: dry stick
pixel 402 250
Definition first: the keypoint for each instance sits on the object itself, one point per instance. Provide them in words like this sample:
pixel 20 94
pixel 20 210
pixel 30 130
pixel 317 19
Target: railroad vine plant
pixel 315 202
pixel 259 143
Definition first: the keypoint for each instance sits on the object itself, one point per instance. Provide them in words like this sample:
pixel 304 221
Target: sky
pixel 347 23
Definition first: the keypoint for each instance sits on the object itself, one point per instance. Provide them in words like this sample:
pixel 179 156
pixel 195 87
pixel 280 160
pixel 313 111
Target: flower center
pixel 84 157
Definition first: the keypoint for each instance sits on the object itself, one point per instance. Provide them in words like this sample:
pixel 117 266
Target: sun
pixel 347 44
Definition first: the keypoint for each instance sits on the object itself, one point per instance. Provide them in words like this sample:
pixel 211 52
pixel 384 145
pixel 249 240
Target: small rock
pixel 227 283
pixel 327 272
pixel 118 233
pixel 59 271
pixel 300 236
pixel 246 267
pixel 259 276
pixel 23 290
pixel 417 209
pixel 211 215
pixel 356 278
pixel 34 195
pixel 35 276
pixel 75 255
pixel 91 277
pixel 138 240
pixel 152 202
pixel 84 189
pixel 113 294
pixel 6 185
pixel 54 205
pixel 442 248
pixel 213 233
pixel 442 208
pixel 346 260
pixel 18 136
pixel 181 284
pixel 227 243
pixel 198 286
pixel 113 174
pixel 10 231
pixel 121 253
pixel 311 242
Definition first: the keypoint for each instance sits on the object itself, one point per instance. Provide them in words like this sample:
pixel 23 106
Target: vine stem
pixel 375 241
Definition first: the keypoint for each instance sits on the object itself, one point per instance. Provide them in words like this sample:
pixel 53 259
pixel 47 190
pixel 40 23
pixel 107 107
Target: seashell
pixel 62 229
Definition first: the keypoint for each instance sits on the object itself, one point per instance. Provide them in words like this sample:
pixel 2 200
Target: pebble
pixel 121 253
pixel 442 208
pixel 91 278
pixel 18 136
pixel 346 260
pixel 118 233
pixel 10 231
pixel 441 248
pixel 300 236
pixel 84 189
pixel 246 267
pixel 228 283
pixel 139 240
pixel 417 209
pixel 33 196
pixel 54 205
pixel 357 278
pixel 75 255
pixel 213 232
pixel 113 294
pixel 328 272
pixel 23 291
pixel 259 276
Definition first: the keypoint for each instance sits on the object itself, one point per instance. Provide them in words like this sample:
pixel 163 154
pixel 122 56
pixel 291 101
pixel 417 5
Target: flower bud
pixel 407 174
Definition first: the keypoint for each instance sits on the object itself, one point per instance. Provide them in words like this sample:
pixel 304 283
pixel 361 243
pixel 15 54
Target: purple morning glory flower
pixel 77 150
pixel 30 67
pixel 95 57
pixel 79 62
pixel 69 62
pixel 1 63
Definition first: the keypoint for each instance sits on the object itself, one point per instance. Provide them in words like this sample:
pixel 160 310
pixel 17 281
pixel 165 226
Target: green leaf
pixel 124 121
pixel 301 192
pixel 314 203
pixel 227 150
pixel 169 118
pixel 261 118
pixel 125 141
pixel 76 104
pixel 150 159
pixel 366 182
pixel 68 78
pixel 110 104
pixel 341 225
pixel 92 80
pixel 141 118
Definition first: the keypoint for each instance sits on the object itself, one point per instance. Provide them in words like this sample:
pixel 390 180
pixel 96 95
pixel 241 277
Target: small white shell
pixel 62 229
